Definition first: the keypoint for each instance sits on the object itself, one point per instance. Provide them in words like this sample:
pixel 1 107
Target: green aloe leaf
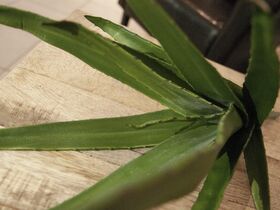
pixel 166 73
pixel 113 133
pixel 256 165
pixel 202 76
pixel 220 175
pixel 262 80
pixel 170 170
pixel 218 178
pixel 163 70
pixel 129 39
pixel 133 41
pixel 261 87
pixel 151 54
pixel 108 57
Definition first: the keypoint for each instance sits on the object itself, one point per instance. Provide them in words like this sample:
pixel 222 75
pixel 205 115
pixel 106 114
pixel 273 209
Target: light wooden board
pixel 50 85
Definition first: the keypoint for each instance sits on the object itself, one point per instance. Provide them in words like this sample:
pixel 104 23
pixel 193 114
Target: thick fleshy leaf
pixel 257 170
pixel 201 75
pixel 262 80
pixel 113 133
pixel 170 170
pixel 218 178
pixel 108 57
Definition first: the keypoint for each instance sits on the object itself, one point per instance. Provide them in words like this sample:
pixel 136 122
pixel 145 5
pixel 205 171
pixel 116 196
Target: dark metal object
pixel 193 20
pixel 125 19
pixel 219 28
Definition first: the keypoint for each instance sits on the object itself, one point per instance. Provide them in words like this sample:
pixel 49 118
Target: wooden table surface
pixel 50 85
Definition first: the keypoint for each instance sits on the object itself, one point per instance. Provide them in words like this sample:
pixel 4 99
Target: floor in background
pixel 15 44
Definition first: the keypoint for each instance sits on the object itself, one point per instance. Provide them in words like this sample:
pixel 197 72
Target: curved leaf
pixel 173 168
pixel 201 75
pixel 218 178
pixel 262 80
pixel 113 133
pixel 146 49
pixel 108 57
pixel 129 39
pixel 163 70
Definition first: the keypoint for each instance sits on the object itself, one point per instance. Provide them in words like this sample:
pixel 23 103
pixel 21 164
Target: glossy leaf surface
pixel 113 133
pixel 185 157
pixel 109 58
pixel 202 76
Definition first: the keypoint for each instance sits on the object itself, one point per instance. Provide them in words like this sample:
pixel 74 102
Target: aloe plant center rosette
pixel 209 122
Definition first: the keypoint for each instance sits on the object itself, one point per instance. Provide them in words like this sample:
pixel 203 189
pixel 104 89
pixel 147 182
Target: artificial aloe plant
pixel 208 124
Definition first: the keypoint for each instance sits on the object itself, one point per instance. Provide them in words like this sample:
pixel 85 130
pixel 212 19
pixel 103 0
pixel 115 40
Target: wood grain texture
pixel 50 85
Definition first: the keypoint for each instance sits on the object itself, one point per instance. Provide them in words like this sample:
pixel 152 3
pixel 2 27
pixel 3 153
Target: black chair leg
pixel 125 19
